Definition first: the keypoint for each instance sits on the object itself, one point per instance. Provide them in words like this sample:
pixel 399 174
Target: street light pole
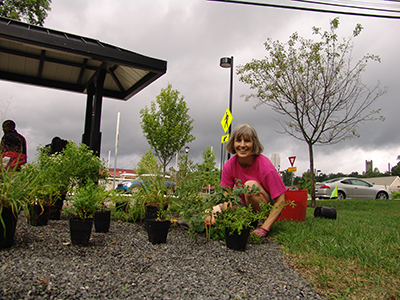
pixel 227 62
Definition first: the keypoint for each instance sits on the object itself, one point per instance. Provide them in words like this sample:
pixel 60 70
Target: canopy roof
pixel 44 57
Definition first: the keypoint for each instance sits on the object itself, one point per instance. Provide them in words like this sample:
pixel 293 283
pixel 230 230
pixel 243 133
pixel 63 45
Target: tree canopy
pixel 315 86
pixel 30 11
pixel 167 125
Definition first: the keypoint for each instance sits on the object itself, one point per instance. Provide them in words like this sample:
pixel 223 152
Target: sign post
pixel 292 169
pixel 225 123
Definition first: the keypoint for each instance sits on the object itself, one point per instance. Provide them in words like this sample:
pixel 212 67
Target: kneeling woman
pixel 252 168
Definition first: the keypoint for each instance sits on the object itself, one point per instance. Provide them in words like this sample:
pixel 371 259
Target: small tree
pixel 166 125
pixel 396 170
pixel 207 170
pixel 147 164
pixel 32 11
pixel 315 86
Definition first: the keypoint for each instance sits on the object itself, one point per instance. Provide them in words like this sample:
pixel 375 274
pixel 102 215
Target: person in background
pixel 12 147
pixel 252 168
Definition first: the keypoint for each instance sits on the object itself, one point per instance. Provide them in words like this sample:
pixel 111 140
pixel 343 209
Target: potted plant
pixel 155 196
pixel 102 216
pixel 45 193
pixel 15 195
pixel 85 200
pixel 237 219
pixel 73 166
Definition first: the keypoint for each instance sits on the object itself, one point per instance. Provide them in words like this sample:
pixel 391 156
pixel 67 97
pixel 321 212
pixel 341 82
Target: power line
pixel 347 6
pixel 307 9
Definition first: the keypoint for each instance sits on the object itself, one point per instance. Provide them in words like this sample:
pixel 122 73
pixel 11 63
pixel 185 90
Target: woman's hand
pixel 211 219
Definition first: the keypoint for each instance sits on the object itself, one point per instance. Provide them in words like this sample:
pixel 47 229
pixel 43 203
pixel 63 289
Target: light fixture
pixel 187 148
pixel 225 62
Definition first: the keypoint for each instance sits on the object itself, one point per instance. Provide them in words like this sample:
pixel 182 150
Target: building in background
pixel 276 160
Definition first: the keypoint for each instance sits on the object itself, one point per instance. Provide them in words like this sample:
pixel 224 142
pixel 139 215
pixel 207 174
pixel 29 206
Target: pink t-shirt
pixel 261 170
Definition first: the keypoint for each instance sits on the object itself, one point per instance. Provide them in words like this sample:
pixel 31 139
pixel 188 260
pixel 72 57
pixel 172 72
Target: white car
pixel 350 187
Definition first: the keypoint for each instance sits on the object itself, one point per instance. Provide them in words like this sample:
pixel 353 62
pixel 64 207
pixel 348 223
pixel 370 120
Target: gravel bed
pixel 123 264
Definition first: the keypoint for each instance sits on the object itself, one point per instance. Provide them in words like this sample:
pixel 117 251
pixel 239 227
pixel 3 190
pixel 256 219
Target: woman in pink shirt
pixel 252 168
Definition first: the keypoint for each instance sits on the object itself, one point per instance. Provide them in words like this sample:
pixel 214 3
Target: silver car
pixel 349 187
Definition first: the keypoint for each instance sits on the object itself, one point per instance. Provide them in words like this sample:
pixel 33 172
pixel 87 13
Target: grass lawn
pixel 356 256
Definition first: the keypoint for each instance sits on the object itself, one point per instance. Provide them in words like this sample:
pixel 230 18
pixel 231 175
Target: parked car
pixel 129 186
pixel 349 187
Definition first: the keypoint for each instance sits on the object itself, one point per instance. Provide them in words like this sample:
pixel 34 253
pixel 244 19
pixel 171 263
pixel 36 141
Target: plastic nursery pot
pixel 39 215
pixel 55 210
pixel 10 222
pixel 237 241
pixel 151 212
pixel 325 212
pixel 80 231
pixel 102 221
pixel 157 230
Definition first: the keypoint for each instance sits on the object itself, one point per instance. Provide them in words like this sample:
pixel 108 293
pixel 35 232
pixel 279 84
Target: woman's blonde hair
pixel 246 130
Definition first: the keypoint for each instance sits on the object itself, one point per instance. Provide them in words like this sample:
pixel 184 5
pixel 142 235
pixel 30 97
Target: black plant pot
pixel 55 210
pixel 80 230
pixel 237 241
pixel 151 212
pixel 10 222
pixel 102 220
pixel 39 215
pixel 325 212
pixel 157 230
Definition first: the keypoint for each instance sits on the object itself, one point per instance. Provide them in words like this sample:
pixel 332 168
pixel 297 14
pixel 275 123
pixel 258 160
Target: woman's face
pixel 243 146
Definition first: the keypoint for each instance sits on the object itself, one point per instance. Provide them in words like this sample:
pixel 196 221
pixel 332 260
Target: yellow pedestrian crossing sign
pixel 226 120
pixel 224 138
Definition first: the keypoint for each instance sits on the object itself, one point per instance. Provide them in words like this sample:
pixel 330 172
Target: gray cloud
pixel 192 36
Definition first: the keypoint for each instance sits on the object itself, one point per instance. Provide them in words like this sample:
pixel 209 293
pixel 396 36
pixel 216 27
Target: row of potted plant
pixel 158 205
pixel 40 187
pixel 73 175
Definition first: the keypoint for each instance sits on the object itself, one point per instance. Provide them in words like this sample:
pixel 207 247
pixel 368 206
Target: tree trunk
pixel 312 177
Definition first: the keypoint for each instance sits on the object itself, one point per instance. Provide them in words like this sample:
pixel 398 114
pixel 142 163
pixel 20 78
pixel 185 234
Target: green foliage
pixel 32 11
pixel 81 164
pixel 86 199
pixel 147 164
pixel 288 178
pixel 207 171
pixel 305 182
pixel 396 170
pixel 396 195
pixel 190 205
pixel 16 191
pixel 166 125
pixel 237 216
pixel 55 173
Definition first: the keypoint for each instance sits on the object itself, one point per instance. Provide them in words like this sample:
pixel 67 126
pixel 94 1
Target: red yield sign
pixel 292 159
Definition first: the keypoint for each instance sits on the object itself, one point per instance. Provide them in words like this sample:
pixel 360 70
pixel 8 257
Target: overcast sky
pixel 192 36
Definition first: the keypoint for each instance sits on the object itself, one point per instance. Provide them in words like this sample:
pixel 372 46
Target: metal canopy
pixel 44 57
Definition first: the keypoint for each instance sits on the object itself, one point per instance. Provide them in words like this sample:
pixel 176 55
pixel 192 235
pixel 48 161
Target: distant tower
pixel 276 160
pixel 368 165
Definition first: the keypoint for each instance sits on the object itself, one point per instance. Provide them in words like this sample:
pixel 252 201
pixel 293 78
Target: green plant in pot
pixel 155 196
pixel 102 216
pixel 157 229
pixel 15 196
pixel 46 192
pixel 85 200
pixel 237 220
pixel 72 167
